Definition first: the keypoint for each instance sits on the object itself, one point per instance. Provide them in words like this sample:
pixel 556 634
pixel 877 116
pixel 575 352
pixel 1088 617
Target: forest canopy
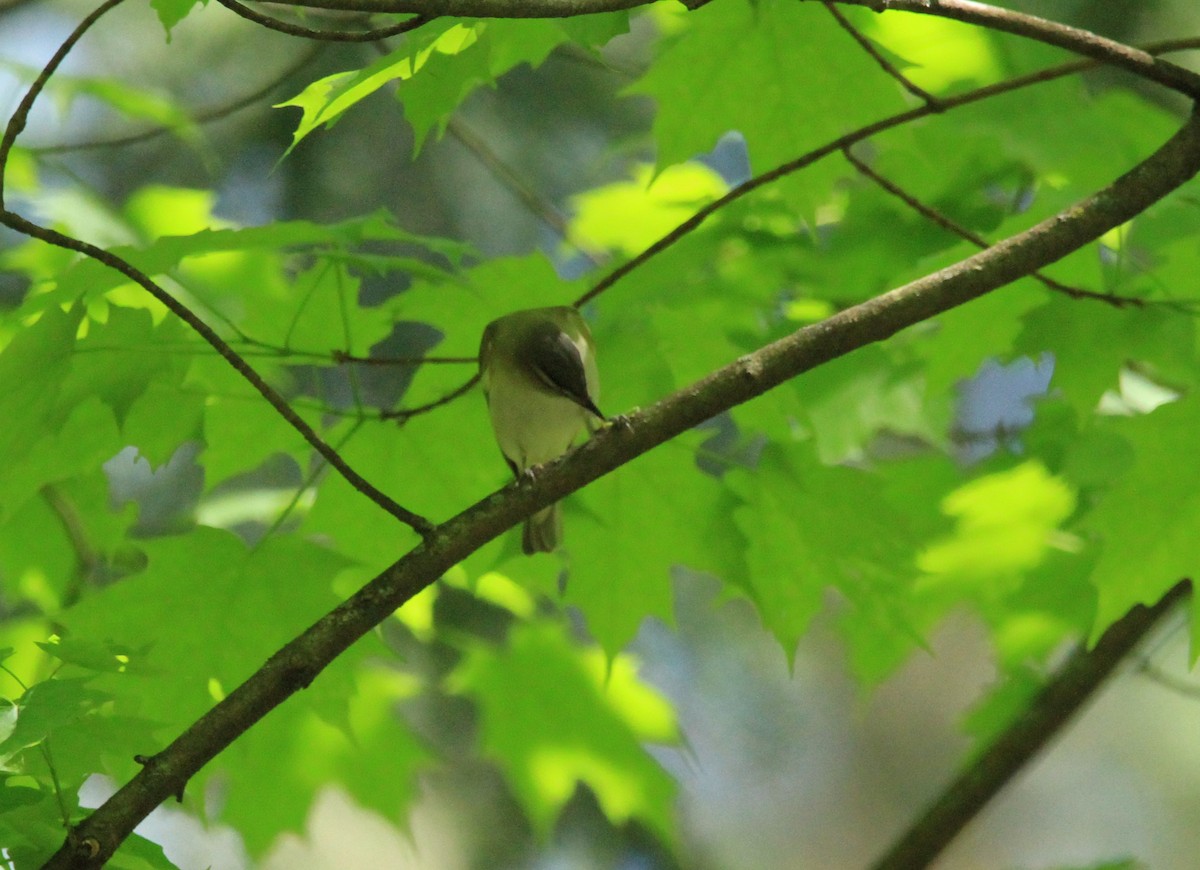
pixel 894 306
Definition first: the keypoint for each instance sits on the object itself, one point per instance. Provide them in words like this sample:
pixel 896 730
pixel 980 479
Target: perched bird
pixel 538 368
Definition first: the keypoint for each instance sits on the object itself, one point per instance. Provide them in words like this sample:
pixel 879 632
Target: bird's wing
pixel 556 362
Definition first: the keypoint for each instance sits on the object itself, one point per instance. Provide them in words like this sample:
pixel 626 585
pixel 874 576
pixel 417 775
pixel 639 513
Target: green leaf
pixel 1145 542
pixel 591 738
pixel 94 655
pixel 369 751
pixel 31 825
pixel 968 335
pixel 627 216
pixel 90 279
pixel 850 400
pixel 138 853
pixel 618 575
pixel 1006 523
pixel 737 65
pixel 33 365
pixel 139 103
pixel 44 708
pixel 1092 342
pixel 194 588
pixel 810 527
pixel 171 12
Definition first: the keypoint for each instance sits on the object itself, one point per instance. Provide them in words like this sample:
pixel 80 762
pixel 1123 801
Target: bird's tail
pixel 543 531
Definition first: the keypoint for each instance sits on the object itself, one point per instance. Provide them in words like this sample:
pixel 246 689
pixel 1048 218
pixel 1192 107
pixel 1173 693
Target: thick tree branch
pixel 300 661
pixel 1049 712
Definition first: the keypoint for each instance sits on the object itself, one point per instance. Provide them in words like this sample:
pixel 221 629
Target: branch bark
pixel 1061 698
pixel 295 665
pixel 1052 33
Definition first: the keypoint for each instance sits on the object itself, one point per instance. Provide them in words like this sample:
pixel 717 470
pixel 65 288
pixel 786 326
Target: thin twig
pixel 521 9
pixel 844 142
pixel 1074 39
pixel 1045 717
pixel 59 797
pixel 340 357
pixel 205 117
pixel 403 414
pixel 886 65
pixel 1184 688
pixel 276 24
pixel 22 225
pixel 534 202
pixel 87 558
pixel 21 116
pixel 979 241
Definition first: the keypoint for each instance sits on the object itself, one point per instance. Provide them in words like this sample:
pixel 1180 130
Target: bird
pixel 539 375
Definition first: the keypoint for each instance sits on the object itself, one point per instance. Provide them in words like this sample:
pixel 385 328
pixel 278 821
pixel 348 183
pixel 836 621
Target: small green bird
pixel 538 368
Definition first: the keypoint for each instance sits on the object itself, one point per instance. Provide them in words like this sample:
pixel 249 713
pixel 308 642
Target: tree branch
pixel 1071 38
pixel 1049 712
pixel 933 215
pixel 296 664
pixel 843 143
pixel 22 225
pixel 1074 39
pixel 290 29
pixel 882 62
pixel 474 8
pixel 206 116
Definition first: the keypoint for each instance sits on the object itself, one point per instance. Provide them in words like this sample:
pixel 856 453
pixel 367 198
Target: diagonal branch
pixel 22 225
pixel 1074 39
pixel 1049 712
pixel 843 143
pixel 290 29
pixel 953 227
pixel 300 661
pixel 882 62
pixel 474 8
pixel 206 116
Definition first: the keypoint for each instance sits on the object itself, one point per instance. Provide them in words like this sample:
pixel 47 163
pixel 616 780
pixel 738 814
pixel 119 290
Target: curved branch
pixel 1074 39
pixel 934 216
pixel 843 143
pixel 22 225
pixel 474 8
pixel 416 522
pixel 296 664
pixel 21 116
pixel 201 117
pixel 882 62
pixel 290 29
